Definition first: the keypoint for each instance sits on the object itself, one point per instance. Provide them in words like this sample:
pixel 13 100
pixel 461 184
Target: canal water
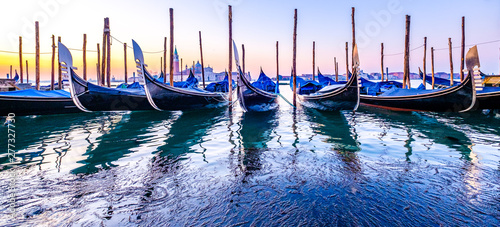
pixel 285 167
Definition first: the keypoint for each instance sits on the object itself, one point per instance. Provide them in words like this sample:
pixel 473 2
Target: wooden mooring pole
pixel 425 63
pixel 353 38
pixel 451 62
pixel 125 60
pixel 27 73
pixel 37 56
pixel 230 67
pixel 52 72
pixel 314 63
pixel 84 56
pixel 108 56
pixel 99 80
pixel 406 79
pixel 432 66
pixel 382 61
pixel 171 11
pixel 202 65
pixel 336 69
pixel 462 51
pixel 277 64
pixel 347 60
pixel 21 58
pixel 59 72
pixel 164 68
pixel 294 61
pixel 104 50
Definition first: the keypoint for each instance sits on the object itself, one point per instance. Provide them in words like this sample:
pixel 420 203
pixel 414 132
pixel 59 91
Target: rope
pixel 121 42
pixel 416 48
pixel 74 49
pixel 161 51
pixel 17 52
pixel 147 52
pixel 82 50
pixel 286 100
pixel 223 96
pixel 447 48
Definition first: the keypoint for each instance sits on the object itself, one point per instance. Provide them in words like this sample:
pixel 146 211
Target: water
pixel 286 167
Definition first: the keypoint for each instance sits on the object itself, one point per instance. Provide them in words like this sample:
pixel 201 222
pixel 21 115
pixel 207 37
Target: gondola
pixel 34 102
pixel 325 81
pixel 261 95
pixel 165 97
pixel 253 98
pixel 459 98
pixel 220 86
pixel 90 97
pixel 332 97
pixel 486 97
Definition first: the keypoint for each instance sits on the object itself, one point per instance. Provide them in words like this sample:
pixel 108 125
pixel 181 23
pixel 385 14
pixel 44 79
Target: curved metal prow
pixel 472 58
pixel 139 63
pixel 66 61
pixel 239 78
pixel 473 65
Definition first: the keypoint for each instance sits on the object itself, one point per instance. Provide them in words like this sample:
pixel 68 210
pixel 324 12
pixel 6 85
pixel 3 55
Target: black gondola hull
pixel 344 98
pixel 254 99
pixel 166 97
pixel 488 100
pixel 256 102
pixel 97 98
pixel 22 106
pixel 454 99
pixel 484 99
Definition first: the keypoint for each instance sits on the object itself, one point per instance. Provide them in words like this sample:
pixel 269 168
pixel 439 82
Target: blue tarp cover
pixel 35 93
pixel 190 82
pixel 305 87
pixel 438 81
pixel 135 85
pixel 160 78
pixel 264 83
pixel 372 88
pixel 325 81
pixel 221 86
pixel 114 91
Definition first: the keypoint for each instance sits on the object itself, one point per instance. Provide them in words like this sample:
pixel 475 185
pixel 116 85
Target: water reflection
pixel 335 127
pixel 256 129
pixel 116 136
pixel 338 133
pixel 217 168
pixel 483 128
pixel 421 125
pixel 189 131
pixel 41 137
pixel 255 133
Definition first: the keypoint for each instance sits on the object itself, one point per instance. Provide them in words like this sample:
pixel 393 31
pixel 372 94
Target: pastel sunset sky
pixel 258 24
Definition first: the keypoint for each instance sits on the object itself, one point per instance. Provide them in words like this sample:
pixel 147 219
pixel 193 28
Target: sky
pixel 257 24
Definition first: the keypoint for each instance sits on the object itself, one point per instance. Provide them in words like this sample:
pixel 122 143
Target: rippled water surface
pixel 285 167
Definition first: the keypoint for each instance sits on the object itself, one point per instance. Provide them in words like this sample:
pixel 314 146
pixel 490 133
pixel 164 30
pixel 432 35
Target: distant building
pixel 176 62
pixel 181 74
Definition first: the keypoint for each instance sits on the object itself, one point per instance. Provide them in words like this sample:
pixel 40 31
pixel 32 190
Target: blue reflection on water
pixel 282 167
